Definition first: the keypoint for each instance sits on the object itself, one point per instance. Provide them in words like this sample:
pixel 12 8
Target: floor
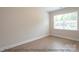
pixel 48 44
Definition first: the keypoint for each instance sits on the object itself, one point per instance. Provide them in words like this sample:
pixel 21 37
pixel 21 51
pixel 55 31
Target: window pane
pixel 66 21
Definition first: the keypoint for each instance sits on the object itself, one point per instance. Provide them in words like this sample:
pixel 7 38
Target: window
pixel 66 21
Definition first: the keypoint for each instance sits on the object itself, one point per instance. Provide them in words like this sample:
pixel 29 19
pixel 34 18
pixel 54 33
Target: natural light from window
pixel 66 21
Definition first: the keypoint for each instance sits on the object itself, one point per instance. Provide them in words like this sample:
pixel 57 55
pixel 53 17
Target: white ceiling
pixel 49 9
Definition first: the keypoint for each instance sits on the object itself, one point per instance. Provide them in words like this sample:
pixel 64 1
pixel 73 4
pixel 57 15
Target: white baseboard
pixel 20 43
pixel 66 37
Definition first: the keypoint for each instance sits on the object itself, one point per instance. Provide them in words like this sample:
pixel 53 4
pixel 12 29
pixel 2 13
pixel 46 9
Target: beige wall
pixel 21 24
pixel 74 35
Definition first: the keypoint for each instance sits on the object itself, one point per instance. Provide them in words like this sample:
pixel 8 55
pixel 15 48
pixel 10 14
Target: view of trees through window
pixel 66 21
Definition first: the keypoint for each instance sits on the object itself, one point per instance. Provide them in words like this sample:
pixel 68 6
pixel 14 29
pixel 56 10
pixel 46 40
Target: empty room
pixel 36 29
